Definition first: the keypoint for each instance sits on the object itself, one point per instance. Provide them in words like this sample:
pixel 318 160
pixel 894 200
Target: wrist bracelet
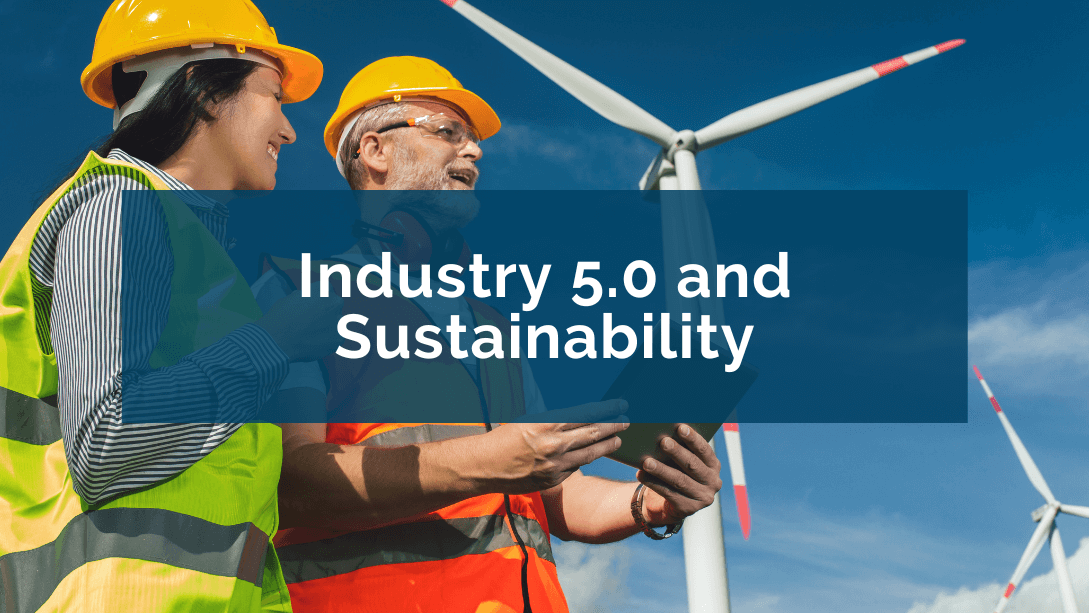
pixel 637 513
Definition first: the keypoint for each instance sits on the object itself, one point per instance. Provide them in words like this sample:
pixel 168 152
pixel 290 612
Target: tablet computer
pixel 653 385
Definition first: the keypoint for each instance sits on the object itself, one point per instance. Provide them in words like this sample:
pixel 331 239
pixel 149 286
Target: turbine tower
pixel 687 237
pixel 1045 516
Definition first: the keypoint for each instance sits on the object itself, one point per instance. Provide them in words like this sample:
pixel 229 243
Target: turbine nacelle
pixel 663 163
pixel 1038 514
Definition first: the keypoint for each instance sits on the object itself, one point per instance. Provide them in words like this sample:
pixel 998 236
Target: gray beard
pixel 451 209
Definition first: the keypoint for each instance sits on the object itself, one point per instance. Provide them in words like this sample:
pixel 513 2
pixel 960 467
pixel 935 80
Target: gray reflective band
pixel 29 578
pixel 29 420
pixel 424 433
pixel 424 541
pixel 534 537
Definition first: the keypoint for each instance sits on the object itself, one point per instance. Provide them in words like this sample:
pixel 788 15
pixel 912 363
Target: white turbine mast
pixel 687 238
pixel 1045 516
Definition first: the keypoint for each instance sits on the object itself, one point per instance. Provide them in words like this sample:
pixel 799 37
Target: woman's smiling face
pixel 250 129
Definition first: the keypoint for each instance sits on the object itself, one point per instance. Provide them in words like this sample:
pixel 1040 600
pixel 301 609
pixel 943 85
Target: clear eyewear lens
pixel 449 130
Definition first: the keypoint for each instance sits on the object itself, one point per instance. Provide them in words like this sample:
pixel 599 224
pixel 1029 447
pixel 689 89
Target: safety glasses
pixel 437 126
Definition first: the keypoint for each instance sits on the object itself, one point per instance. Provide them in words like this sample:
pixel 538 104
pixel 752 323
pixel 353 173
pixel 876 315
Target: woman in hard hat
pixel 168 516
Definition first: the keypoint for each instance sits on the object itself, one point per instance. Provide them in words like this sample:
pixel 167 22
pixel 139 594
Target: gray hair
pixel 370 120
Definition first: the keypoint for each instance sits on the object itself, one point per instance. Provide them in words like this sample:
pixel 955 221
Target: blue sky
pixel 919 518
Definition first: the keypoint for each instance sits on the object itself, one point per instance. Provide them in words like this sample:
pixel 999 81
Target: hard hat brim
pixel 485 121
pixel 302 70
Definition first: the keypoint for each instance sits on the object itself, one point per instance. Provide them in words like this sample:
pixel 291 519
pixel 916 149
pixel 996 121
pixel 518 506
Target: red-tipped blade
pixel 896 63
pixel 949 44
pixel 762 113
pixel 987 390
pixel 737 475
pixel 742 498
pixel 1030 467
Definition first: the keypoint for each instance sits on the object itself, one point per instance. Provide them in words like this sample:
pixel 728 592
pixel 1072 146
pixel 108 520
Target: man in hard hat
pixel 436 516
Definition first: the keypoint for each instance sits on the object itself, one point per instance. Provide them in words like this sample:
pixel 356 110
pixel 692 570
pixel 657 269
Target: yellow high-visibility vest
pixel 199 541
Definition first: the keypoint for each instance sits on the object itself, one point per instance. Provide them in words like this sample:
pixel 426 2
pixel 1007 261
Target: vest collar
pixel 187 194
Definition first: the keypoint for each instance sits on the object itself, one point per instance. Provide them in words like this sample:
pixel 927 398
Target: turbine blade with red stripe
pixel 589 91
pixel 1036 543
pixel 737 475
pixel 763 113
pixel 1034 474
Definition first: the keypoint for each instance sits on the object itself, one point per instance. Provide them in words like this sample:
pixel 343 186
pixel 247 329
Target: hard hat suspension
pixel 161 65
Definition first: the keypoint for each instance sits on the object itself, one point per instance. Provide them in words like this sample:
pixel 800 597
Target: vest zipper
pixel 526 607
pixel 525 558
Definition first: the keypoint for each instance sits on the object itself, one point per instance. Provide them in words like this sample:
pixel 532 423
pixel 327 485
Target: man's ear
pixel 374 153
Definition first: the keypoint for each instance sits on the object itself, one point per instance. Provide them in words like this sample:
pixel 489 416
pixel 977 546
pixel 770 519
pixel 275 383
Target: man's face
pixel 421 161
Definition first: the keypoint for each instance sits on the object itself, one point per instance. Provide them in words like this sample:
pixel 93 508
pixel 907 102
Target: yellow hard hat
pixel 136 27
pixel 393 77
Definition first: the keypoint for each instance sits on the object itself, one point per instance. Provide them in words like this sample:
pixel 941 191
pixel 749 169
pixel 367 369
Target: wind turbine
pixel 687 237
pixel 1045 516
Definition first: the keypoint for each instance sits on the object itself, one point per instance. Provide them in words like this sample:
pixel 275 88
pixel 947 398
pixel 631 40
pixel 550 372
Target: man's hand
pixel 533 457
pixel 675 494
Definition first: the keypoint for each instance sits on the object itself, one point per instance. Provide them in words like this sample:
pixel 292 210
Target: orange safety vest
pixel 489 553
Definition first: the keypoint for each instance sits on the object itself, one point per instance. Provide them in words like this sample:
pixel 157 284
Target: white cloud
pixel 1035 595
pixel 857 545
pixel 807 561
pixel 628 577
pixel 614 159
pixel 1029 323
pixel 734 167
pixel 594 577
pixel 594 159
pixel 1015 337
pixel 849 562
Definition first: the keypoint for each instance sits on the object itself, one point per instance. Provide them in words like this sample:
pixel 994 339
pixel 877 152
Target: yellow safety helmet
pixel 393 77
pixel 136 27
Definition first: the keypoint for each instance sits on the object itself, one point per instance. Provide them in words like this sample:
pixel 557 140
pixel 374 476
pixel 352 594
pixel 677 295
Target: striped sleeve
pixel 227 381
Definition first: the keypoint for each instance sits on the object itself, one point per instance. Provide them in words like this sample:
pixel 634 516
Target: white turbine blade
pixel 1062 573
pixel 762 113
pixel 1036 543
pixel 586 89
pixel 1075 510
pixel 1033 473
pixel 737 475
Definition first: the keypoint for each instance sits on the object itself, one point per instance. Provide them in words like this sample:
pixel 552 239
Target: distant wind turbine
pixel 1045 516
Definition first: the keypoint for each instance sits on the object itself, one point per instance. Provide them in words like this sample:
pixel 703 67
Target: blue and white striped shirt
pixel 77 253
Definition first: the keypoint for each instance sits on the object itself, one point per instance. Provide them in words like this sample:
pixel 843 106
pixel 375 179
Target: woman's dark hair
pixel 157 132
pixel 162 127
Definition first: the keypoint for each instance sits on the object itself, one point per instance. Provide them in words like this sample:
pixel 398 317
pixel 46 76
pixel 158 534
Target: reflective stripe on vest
pixel 36 495
pixel 198 541
pixel 424 541
pixel 34 421
pixel 423 433
pixel 28 578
